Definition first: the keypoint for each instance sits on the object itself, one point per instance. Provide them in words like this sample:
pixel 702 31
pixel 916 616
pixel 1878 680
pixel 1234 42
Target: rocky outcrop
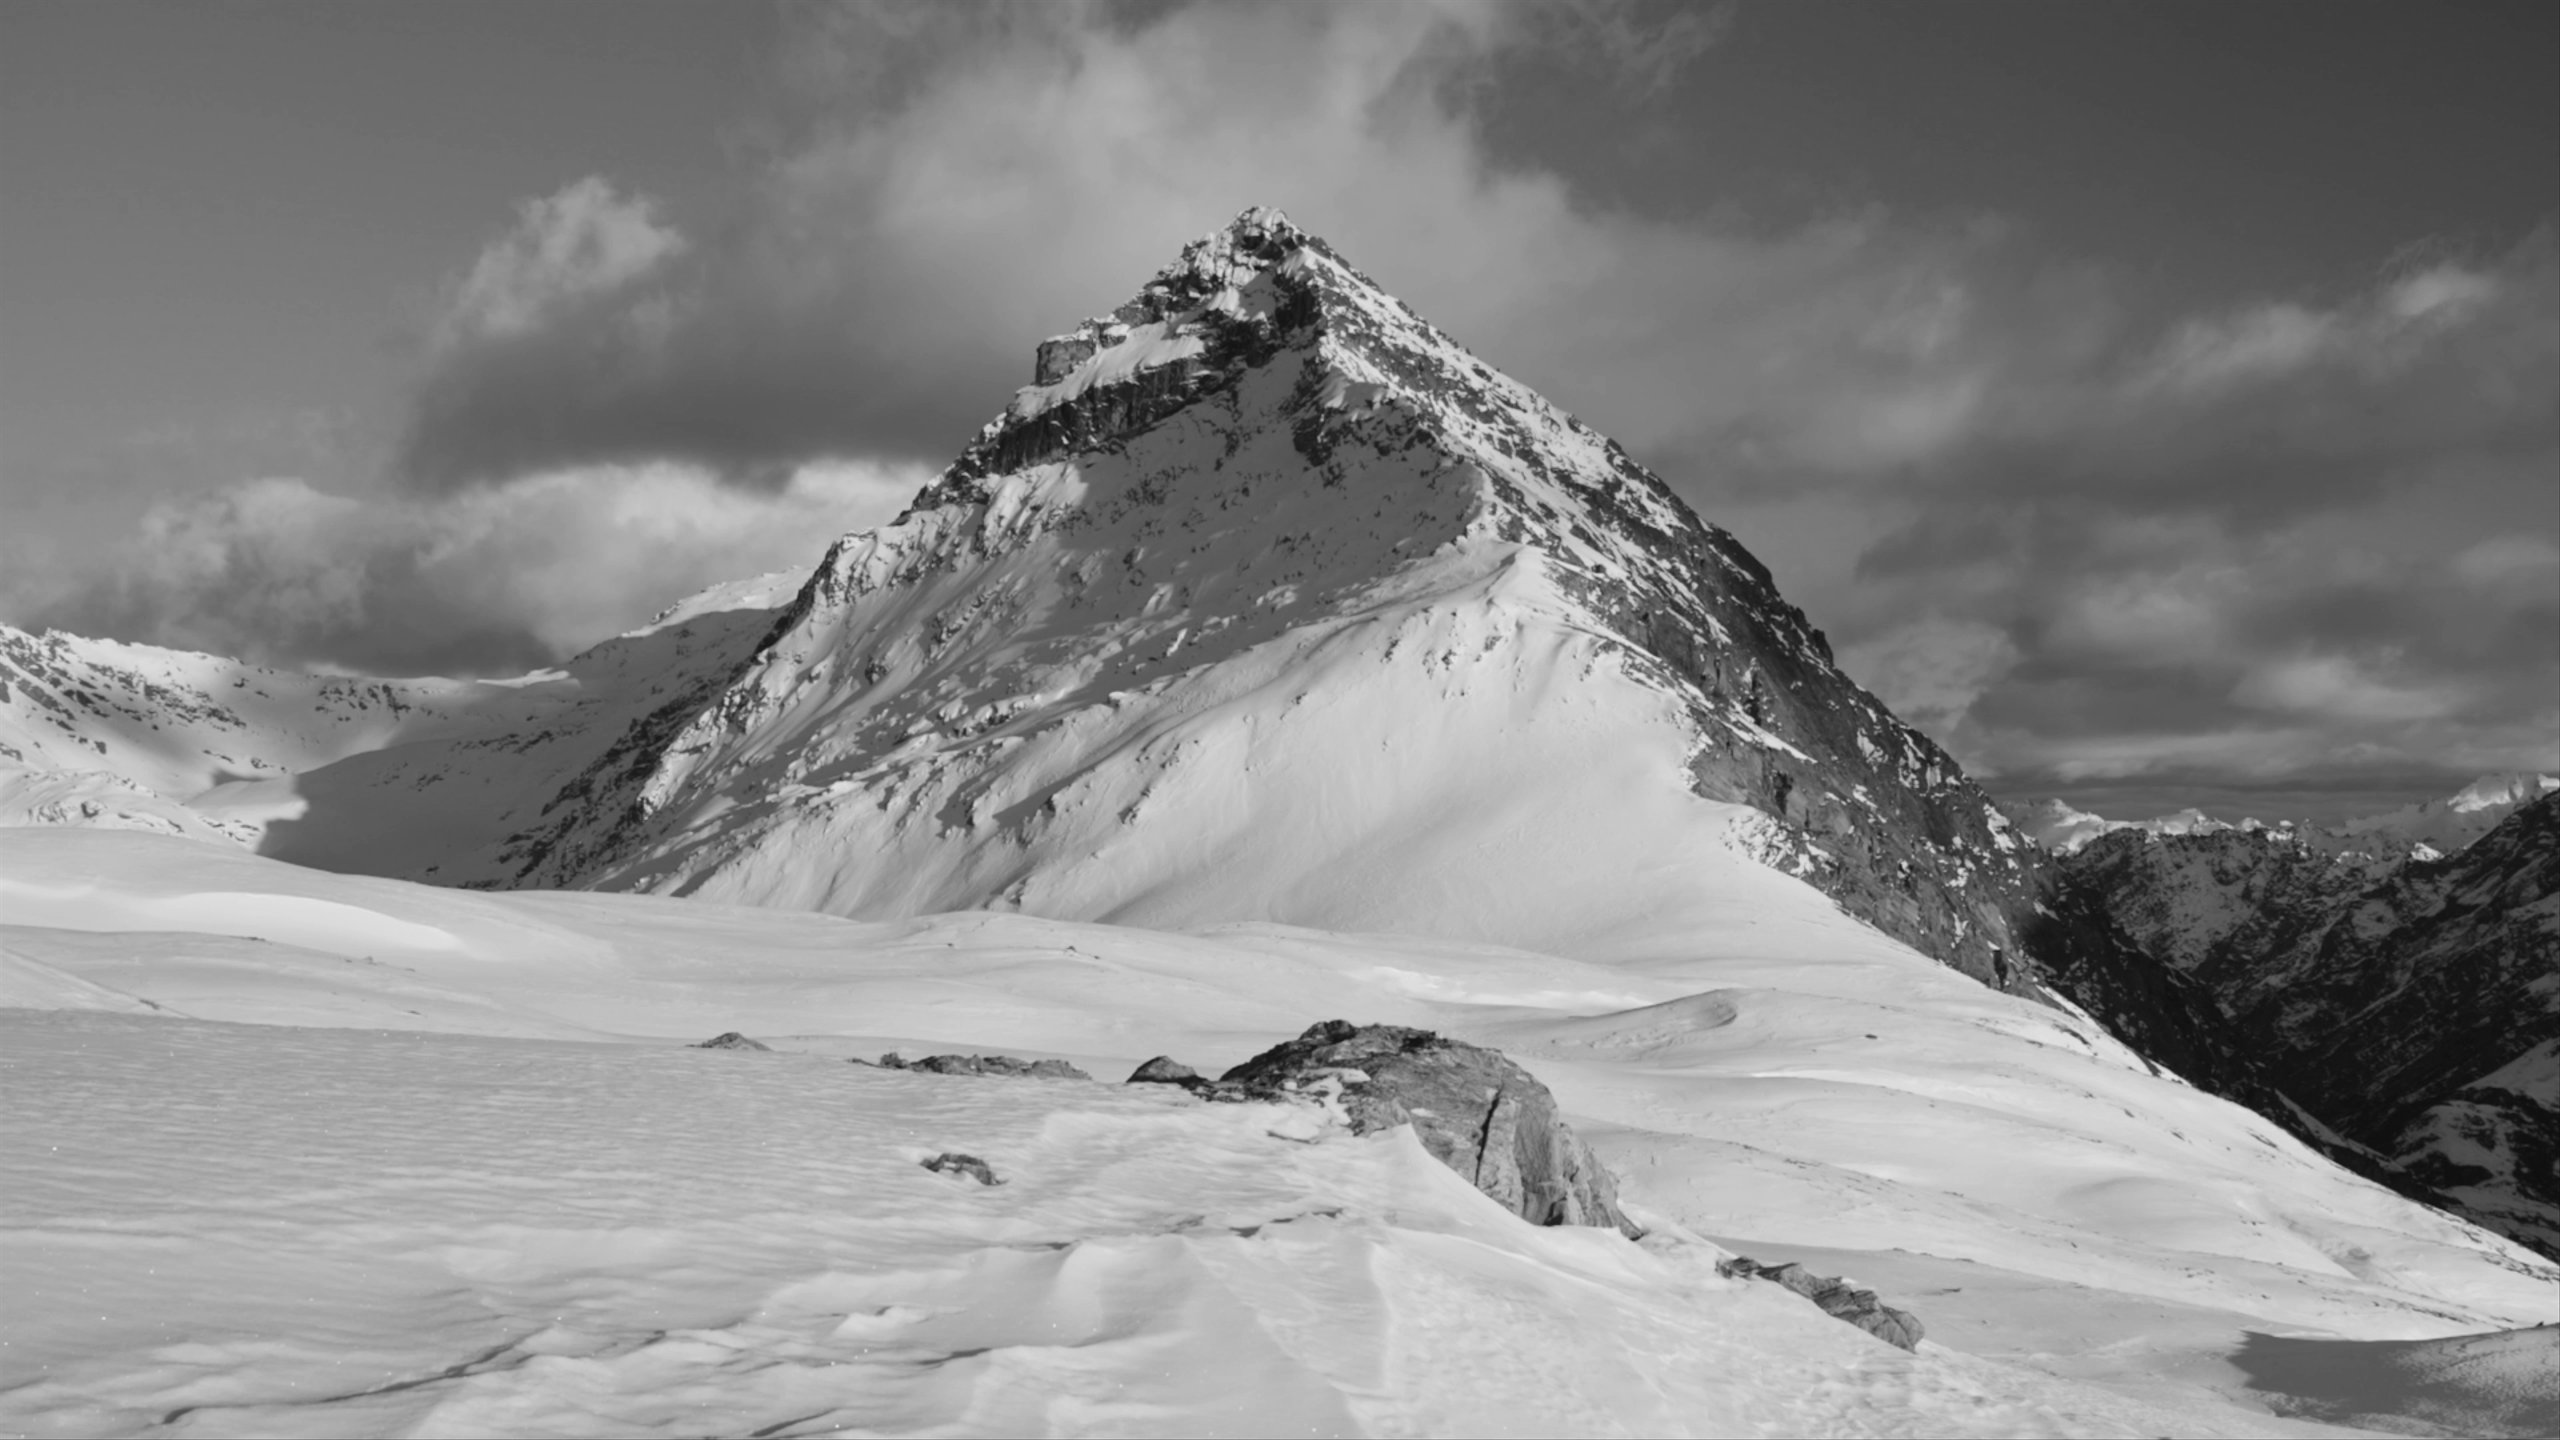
pixel 1837 1298
pixel 1165 1070
pixel 2399 1013
pixel 952 1162
pixel 731 1040
pixel 1006 1066
pixel 1472 1108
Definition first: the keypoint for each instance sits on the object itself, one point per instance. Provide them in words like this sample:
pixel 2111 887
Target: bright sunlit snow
pixel 309 1154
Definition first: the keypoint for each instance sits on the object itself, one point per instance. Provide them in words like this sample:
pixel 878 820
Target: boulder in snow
pixel 1165 1070
pixel 1474 1110
pixel 1005 1065
pixel 731 1040
pixel 952 1162
pixel 1838 1298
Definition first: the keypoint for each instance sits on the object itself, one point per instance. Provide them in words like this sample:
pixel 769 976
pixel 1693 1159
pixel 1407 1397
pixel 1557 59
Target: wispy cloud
pixel 958 181
pixel 493 581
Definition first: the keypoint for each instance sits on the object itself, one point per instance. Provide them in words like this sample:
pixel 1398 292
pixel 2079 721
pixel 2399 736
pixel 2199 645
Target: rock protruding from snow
pixel 732 1040
pixel 952 1162
pixel 1165 1070
pixel 1007 1066
pixel 1837 1298
pixel 1473 1109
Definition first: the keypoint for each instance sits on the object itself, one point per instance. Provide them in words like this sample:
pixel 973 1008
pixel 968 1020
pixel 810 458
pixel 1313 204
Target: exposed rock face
pixel 1260 461
pixel 1838 1299
pixel 2403 1014
pixel 1474 1110
pixel 731 1040
pixel 1001 1065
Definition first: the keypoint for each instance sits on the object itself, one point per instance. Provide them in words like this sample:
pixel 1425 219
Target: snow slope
pixel 415 778
pixel 497 1214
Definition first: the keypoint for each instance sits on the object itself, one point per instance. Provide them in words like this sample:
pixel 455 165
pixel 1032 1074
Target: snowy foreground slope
pixel 298 1153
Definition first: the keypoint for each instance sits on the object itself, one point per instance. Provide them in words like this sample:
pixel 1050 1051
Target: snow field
pixel 272 1231
pixel 2104 1240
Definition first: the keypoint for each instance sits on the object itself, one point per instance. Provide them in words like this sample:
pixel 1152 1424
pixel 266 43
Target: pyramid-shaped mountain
pixel 1269 601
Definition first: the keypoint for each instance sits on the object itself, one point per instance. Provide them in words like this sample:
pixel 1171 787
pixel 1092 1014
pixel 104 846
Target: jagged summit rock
pixel 1268 600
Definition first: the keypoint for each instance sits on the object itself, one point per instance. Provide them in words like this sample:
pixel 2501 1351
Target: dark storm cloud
pixel 747 356
pixel 2300 542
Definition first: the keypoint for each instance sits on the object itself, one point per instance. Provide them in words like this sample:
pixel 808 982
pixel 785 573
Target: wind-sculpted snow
pixel 299 1153
pixel 1269 600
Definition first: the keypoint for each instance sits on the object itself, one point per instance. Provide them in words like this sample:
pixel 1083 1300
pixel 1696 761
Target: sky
pixel 2159 403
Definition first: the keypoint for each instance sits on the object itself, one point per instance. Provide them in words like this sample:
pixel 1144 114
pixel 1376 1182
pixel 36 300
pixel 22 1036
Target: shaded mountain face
pixel 2407 1009
pixel 1267 600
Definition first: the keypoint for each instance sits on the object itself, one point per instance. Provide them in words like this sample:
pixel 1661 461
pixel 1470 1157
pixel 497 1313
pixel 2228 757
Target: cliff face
pixel 2411 1007
pixel 1264 519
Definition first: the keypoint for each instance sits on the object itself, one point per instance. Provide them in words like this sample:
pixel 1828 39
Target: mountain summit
pixel 1266 600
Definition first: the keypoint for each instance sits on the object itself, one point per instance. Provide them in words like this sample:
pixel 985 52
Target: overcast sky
pixel 2158 402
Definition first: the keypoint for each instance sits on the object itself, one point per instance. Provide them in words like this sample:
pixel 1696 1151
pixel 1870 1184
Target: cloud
pixel 491 582
pixel 2208 655
pixel 1931 671
pixel 1643 47
pixel 2523 567
pixel 583 242
pixel 2337 687
pixel 2298 544
pixel 961 182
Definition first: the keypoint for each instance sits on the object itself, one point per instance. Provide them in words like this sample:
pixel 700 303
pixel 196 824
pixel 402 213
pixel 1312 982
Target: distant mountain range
pixel 2438 826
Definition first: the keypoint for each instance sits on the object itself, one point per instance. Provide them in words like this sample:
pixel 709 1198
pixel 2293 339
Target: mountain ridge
pixel 2402 1012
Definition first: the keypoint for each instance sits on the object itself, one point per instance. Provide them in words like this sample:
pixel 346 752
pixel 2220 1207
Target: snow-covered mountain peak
pixel 1264 520
pixel 2510 789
